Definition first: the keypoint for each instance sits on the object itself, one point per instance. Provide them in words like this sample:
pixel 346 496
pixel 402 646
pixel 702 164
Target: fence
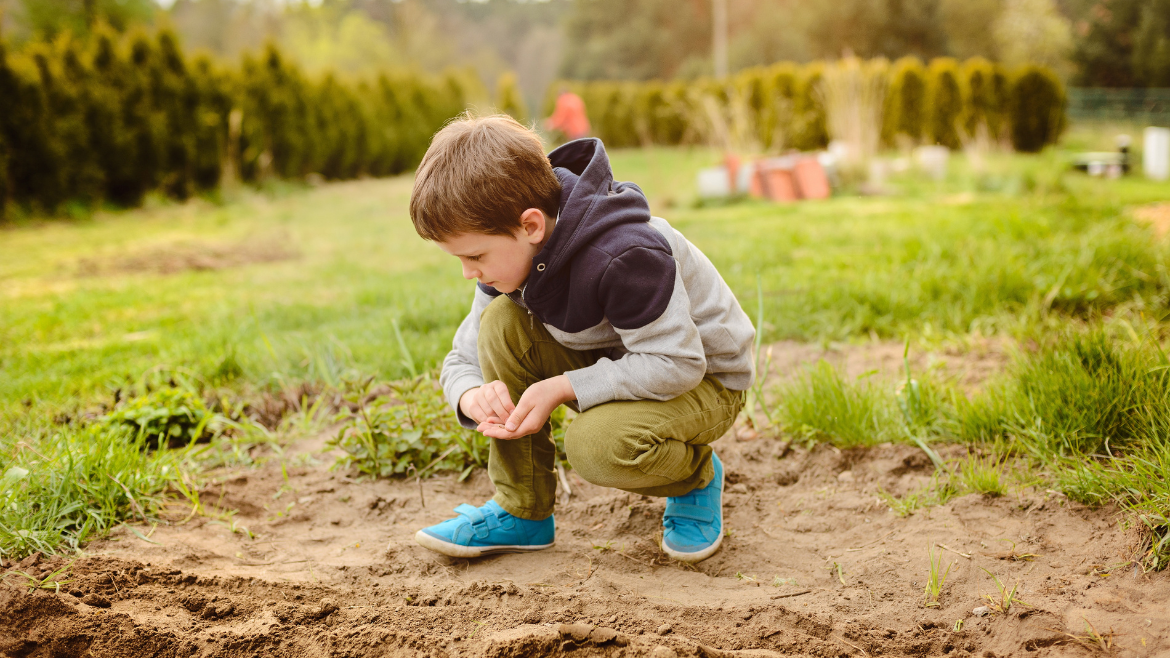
pixel 1151 106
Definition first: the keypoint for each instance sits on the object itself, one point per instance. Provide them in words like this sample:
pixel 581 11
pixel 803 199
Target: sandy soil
pixel 320 564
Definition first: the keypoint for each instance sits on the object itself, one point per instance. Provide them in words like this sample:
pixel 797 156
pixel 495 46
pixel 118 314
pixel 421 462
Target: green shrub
pixel 1036 108
pixel 171 417
pixel 905 109
pixel 944 103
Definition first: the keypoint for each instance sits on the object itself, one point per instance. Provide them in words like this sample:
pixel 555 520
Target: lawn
pixel 263 290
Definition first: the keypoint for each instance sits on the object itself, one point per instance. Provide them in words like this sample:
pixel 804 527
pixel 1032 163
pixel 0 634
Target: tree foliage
pixel 113 118
pixel 783 105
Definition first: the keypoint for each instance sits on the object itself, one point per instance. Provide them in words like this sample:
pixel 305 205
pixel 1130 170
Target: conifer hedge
pixel 113 118
pixel 943 102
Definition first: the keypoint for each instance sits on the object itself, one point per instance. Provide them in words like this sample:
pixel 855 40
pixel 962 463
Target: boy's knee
pixel 501 326
pixel 501 314
pixel 592 449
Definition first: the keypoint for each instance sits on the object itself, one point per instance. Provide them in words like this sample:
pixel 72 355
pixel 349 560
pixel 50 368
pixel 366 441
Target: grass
pixel 1007 596
pixel 935 579
pixel 1019 247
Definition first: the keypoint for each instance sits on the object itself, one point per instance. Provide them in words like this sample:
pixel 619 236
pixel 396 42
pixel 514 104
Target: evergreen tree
pixel 1037 108
pixel 114 138
pixel 986 97
pixel 944 103
pixel 809 129
pixel 35 176
pixel 146 125
pixel 175 100
pixel 905 102
pixel 213 89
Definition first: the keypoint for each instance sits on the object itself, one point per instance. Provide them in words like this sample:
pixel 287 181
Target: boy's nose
pixel 470 273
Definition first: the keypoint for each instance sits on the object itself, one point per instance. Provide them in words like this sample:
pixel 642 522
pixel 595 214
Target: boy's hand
pixel 532 411
pixel 489 403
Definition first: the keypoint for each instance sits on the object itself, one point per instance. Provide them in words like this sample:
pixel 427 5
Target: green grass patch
pixel 331 285
pixel 1088 408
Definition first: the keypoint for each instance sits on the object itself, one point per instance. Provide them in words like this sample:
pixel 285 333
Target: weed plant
pixel 409 432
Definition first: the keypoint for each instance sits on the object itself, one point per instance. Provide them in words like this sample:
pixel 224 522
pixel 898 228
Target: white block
pixel 1156 153
pixel 714 183
pixel 933 160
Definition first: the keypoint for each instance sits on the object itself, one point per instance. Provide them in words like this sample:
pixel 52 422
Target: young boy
pixel 583 299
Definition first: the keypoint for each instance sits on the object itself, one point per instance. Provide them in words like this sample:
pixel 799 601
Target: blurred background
pixel 107 101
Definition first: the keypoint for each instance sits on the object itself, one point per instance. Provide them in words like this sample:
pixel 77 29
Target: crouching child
pixel 584 299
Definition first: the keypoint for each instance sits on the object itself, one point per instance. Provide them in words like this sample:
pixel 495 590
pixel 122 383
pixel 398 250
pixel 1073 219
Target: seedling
pixel 958 625
pixel 50 581
pixel 840 571
pixel 742 576
pixel 936 579
pixel 1007 597
pixel 1011 553
pixel 778 581
pixel 607 546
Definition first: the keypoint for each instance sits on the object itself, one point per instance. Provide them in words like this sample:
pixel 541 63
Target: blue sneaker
pixel 486 530
pixel 693 524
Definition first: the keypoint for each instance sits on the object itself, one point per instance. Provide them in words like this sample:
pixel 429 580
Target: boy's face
pixel 500 261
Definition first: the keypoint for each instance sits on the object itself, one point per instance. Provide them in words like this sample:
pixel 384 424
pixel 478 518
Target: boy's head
pixel 485 192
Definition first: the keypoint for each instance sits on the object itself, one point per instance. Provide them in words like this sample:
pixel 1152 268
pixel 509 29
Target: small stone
pixel 739 488
pixel 96 600
pixel 981 611
pixel 664 629
pixel 327 607
pixel 663 652
pixel 613 619
pixel 845 476
pixel 579 632
pixel 602 635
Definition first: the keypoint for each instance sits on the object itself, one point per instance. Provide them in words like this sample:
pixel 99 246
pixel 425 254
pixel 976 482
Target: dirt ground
pixel 315 563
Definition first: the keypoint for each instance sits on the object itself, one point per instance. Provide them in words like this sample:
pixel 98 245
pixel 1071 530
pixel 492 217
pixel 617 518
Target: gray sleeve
pixel 461 371
pixel 665 358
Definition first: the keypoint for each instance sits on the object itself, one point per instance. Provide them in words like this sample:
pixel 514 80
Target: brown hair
pixel 478 176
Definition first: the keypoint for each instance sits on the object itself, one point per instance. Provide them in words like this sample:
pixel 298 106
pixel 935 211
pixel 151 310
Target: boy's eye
pixel 473 258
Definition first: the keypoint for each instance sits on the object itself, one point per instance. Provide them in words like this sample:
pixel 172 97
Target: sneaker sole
pixel 699 556
pixel 456 550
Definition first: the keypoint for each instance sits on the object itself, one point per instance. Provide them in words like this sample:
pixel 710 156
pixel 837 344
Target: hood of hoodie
pixel 599 221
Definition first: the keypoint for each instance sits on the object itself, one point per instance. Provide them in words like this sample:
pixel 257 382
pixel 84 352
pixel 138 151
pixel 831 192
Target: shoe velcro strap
pixel 692 512
pixel 482 521
pixel 472 513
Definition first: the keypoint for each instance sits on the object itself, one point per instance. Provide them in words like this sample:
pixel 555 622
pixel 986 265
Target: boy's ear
pixel 534 224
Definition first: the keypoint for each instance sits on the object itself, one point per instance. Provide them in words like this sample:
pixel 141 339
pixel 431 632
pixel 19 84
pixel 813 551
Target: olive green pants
pixel 641 446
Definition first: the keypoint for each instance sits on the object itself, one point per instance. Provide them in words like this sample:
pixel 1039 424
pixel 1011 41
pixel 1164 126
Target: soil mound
pixel 815 564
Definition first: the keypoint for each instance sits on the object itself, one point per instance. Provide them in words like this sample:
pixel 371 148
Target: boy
pixel 582 299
